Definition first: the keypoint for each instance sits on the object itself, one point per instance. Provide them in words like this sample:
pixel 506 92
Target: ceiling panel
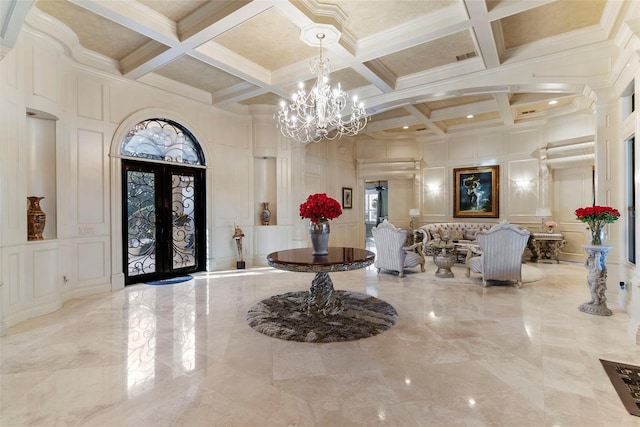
pixel 550 20
pixel 196 73
pixel 454 102
pixel 95 32
pixel 391 114
pixel 264 99
pixel 370 17
pixel 541 107
pixel 426 56
pixel 478 118
pixel 174 10
pixel 268 39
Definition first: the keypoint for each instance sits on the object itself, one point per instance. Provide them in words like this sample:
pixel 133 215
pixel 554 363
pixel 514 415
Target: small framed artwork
pixel 347 199
pixel 476 192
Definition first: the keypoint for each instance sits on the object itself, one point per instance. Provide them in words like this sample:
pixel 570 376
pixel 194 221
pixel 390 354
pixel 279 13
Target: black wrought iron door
pixel 163 220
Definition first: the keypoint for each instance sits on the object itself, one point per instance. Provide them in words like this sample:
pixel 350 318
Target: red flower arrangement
pixel 320 206
pixel 596 217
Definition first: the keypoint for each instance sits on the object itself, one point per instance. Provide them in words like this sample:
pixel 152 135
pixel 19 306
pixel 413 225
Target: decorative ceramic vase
pixel 36 218
pixel 265 215
pixel 319 233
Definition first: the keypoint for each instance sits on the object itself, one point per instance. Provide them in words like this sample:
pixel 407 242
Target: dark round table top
pixel 338 259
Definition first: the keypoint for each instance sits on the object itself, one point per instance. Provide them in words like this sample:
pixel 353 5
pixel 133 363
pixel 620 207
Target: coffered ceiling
pixel 428 65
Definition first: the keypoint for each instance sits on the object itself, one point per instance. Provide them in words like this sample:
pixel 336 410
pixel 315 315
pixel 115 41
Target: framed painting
pixel 347 199
pixel 476 192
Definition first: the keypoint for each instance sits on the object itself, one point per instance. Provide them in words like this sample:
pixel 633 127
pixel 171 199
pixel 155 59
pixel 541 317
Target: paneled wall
pixel 72 159
pixel 525 181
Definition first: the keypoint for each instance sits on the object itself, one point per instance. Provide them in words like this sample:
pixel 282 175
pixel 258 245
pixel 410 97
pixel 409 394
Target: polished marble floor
pixel 183 355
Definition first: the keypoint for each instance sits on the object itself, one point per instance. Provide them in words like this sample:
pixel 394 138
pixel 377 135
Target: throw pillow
pixel 470 234
pixel 444 234
pixel 457 235
pixel 435 234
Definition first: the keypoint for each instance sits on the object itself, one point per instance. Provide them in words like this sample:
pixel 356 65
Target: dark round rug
pixel 283 316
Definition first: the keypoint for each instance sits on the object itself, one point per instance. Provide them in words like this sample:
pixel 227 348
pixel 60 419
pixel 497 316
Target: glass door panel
pixel 141 223
pixel 183 224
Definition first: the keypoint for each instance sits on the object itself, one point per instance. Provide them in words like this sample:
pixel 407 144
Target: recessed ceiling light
pixel 553 102
pixel 405 127
pixel 469 116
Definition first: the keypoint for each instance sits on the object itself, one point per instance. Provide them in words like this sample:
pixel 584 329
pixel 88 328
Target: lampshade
pixel 414 212
pixel 543 213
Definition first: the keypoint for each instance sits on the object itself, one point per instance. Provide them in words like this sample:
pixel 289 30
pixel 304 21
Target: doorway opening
pixel 376 209
pixel 163 202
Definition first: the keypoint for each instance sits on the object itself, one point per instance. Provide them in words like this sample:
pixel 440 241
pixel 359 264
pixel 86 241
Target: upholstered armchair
pixel 392 254
pixel 501 254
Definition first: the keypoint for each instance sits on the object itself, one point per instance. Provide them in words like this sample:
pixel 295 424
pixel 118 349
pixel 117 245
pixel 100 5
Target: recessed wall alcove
pixel 41 173
pixel 265 187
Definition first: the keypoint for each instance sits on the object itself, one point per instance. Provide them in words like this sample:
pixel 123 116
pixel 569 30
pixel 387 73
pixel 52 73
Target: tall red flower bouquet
pixel 596 217
pixel 320 206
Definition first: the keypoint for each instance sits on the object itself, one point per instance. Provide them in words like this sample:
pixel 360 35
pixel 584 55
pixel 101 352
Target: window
pixel 164 140
pixel 631 200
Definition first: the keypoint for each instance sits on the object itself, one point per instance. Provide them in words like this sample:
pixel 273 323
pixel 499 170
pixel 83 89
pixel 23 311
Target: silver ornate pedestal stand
pixel 596 280
pixel 444 261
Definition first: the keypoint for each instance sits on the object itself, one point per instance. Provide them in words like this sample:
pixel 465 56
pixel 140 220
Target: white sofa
pixel 465 231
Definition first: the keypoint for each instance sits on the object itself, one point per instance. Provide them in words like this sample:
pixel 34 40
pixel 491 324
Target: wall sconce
pixel 433 188
pixel 522 184
pixel 413 213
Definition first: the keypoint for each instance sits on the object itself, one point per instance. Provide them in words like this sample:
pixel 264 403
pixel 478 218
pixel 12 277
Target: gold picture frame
pixel 476 192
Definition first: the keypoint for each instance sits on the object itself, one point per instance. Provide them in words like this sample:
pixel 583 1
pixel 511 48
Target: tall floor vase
pixel 596 263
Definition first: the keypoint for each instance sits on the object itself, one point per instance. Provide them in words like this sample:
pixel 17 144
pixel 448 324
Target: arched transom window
pixel 164 140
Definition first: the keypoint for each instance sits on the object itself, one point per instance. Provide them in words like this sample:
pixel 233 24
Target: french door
pixel 163 220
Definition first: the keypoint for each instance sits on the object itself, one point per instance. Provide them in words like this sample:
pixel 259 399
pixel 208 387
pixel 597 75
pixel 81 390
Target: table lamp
pixel 413 213
pixel 543 213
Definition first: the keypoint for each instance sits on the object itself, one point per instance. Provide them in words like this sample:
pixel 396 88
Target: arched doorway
pixel 163 201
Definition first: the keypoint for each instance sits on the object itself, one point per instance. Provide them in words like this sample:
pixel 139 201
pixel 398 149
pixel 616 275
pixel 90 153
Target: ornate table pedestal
pixel 546 246
pixel 596 263
pixel 321 298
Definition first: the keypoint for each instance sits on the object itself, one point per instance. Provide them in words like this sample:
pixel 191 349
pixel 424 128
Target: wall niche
pixel 41 173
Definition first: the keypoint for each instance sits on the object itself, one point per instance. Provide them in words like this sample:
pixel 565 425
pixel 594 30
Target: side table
pixel 444 256
pixel 546 246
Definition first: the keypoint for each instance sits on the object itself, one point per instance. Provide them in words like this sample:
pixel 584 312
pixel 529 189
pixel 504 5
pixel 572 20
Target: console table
pixel 321 298
pixel 546 246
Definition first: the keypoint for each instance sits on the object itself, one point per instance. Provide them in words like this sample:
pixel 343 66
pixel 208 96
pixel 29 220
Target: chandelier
pixel 317 115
